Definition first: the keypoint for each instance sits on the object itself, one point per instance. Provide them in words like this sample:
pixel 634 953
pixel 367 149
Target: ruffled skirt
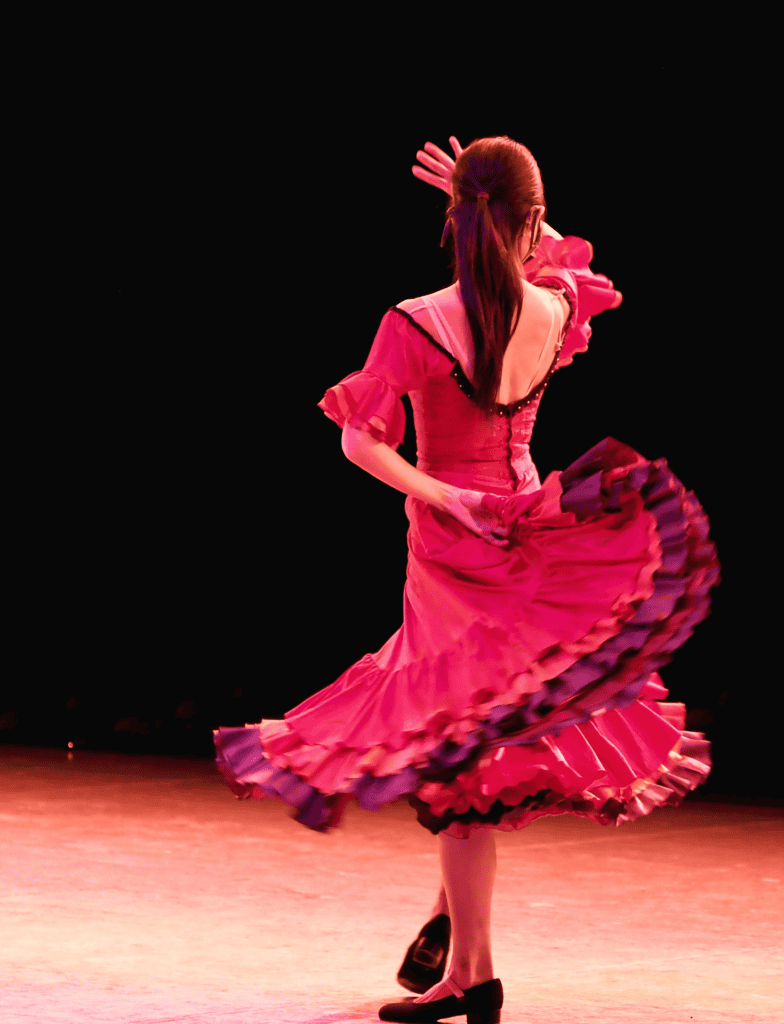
pixel 523 682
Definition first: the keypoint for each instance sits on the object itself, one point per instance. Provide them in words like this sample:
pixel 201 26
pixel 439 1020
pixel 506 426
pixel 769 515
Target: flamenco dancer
pixel 524 679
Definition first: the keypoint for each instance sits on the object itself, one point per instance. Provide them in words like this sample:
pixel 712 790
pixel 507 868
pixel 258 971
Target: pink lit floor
pixel 138 889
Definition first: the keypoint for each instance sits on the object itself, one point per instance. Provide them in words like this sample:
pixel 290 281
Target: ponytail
pixel 485 235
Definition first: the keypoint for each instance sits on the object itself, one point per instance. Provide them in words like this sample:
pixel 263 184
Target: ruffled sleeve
pixel 563 263
pixel 369 399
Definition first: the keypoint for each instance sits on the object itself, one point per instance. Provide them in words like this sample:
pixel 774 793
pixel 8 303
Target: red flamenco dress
pixel 523 681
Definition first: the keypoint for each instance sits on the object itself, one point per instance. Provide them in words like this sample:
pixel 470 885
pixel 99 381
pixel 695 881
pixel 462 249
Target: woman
pixel 523 681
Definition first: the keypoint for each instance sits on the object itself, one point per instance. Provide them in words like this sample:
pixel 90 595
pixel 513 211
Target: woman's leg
pixel 468 868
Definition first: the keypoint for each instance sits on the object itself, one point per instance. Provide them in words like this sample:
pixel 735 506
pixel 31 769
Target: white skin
pixel 468 866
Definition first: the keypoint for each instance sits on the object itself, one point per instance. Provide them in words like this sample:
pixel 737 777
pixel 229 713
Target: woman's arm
pixel 386 465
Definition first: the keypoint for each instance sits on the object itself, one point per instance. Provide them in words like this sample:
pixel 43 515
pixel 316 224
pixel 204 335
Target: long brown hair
pixel 485 235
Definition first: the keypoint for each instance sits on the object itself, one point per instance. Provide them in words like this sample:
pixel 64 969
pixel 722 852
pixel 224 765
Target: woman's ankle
pixel 465 979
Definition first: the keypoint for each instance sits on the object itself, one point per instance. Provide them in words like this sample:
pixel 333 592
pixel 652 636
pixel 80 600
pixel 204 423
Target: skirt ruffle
pixel 613 769
pixel 552 707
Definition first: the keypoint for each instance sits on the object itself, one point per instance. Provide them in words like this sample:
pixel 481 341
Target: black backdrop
pixel 217 559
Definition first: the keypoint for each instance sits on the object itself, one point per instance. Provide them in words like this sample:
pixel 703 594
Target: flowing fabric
pixel 522 681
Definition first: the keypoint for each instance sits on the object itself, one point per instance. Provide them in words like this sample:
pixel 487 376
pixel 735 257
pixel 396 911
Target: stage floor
pixel 138 890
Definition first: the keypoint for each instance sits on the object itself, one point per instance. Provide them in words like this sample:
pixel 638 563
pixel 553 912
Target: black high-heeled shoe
pixel 425 960
pixel 480 1004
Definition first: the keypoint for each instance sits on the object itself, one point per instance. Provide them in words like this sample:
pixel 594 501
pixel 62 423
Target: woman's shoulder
pixel 441 317
pixel 548 294
pixel 445 298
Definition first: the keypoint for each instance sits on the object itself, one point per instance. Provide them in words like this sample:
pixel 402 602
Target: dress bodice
pixel 423 348
pixel 453 435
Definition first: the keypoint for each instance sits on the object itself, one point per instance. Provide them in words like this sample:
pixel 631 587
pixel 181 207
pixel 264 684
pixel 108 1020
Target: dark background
pixel 206 555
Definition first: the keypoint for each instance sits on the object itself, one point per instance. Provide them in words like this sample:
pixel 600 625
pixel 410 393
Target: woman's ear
pixel 537 224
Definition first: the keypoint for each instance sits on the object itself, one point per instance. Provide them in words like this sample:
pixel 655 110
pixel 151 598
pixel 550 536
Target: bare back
pixel 530 352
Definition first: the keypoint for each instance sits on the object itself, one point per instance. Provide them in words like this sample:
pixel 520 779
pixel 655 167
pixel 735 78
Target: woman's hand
pixel 465 506
pixel 439 163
